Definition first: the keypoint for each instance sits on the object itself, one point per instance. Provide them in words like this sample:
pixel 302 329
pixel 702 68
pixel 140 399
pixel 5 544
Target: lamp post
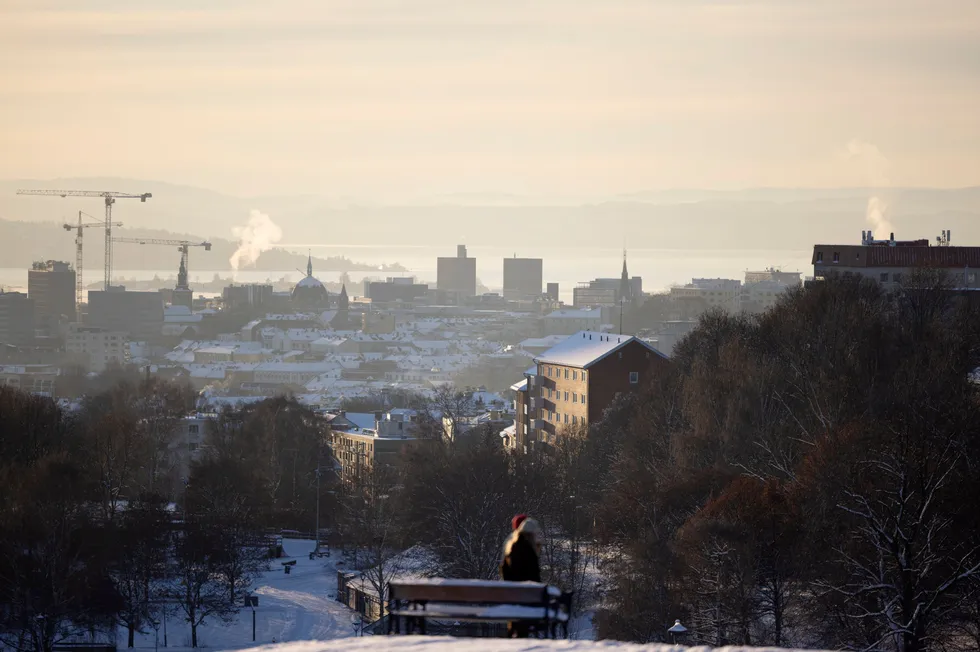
pixel 675 630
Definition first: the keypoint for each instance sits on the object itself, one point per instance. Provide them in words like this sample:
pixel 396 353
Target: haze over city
pixel 638 323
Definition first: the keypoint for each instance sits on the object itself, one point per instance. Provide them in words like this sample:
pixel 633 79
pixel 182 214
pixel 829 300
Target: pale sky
pixel 384 98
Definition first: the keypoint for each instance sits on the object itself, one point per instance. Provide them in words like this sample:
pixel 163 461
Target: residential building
pixel 138 314
pixel 523 278
pixel 773 274
pixel 96 348
pixel 575 381
pixel 358 451
pixel 890 261
pixel 33 378
pixel 457 275
pixel 252 295
pixel 51 286
pixel 567 321
pixel 16 319
pixel 706 293
pixel 188 444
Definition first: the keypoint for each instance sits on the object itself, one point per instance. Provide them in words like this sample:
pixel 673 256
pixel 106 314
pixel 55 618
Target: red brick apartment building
pixel 572 383
pixel 889 261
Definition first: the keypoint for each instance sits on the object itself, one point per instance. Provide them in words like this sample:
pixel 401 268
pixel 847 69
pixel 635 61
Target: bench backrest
pixel 470 591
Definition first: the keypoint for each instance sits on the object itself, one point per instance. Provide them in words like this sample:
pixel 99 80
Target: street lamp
pixel 356 622
pixel 675 630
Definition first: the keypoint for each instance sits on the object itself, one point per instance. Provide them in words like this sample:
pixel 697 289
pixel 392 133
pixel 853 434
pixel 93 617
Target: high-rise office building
pixel 138 314
pixel 16 319
pixel 457 274
pixel 51 286
pixel 523 277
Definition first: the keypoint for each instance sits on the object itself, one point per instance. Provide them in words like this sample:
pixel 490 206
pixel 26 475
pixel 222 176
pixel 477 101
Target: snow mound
pixel 449 644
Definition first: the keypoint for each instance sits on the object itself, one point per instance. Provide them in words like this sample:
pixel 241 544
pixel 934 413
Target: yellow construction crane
pixel 79 284
pixel 183 246
pixel 110 199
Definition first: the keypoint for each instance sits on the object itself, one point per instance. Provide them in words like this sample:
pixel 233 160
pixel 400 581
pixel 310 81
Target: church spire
pixel 625 287
pixel 309 264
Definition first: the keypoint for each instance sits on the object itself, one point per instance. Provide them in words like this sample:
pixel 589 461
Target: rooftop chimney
pixel 461 251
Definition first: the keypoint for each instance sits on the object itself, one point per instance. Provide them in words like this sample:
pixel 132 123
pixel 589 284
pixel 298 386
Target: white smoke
pixel 258 235
pixel 875 216
pixel 875 172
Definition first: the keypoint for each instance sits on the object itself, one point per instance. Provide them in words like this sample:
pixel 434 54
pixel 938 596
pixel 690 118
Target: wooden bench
pixel 540 606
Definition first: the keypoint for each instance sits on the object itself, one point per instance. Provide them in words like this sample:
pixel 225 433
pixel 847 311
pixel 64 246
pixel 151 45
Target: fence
pixel 356 594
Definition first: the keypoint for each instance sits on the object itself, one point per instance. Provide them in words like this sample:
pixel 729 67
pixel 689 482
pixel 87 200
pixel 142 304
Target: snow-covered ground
pixel 446 644
pixel 295 607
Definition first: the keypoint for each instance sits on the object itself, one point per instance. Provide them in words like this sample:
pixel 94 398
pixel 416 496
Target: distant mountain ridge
pixel 690 219
pixel 21 243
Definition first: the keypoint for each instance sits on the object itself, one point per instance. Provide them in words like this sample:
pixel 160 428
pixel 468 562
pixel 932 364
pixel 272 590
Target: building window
pixel 193 429
pixel 566 373
pixel 192 446
pixel 574 420
pixel 836 256
pixel 634 377
pixel 566 396
pixel 897 277
pixel 566 417
pixel 819 256
pixel 574 375
pixel 574 397
pixel 884 277
pixel 583 398
pixel 583 375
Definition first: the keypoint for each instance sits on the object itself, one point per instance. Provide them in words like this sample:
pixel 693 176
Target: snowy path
pixel 294 607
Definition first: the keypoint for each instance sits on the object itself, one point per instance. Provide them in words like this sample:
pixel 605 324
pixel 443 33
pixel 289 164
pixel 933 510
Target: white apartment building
pixel 96 348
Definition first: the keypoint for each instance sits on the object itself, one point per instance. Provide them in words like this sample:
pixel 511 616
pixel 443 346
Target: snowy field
pixel 295 607
pixel 440 644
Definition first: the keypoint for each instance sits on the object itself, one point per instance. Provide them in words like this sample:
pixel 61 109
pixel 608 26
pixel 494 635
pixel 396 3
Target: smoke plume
pixel 875 215
pixel 258 235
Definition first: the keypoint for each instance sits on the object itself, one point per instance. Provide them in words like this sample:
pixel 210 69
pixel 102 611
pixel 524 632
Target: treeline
pixel 806 477
pixel 108 519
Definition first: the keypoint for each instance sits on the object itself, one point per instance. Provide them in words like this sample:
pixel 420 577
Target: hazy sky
pixel 386 98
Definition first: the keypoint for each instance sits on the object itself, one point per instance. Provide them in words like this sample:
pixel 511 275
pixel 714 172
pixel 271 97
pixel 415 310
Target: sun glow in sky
pixel 376 98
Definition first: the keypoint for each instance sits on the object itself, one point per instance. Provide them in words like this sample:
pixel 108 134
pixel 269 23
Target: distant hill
pixel 757 219
pixel 24 242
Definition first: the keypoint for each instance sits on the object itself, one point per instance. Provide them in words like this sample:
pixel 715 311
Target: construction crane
pixel 79 284
pixel 183 246
pixel 110 199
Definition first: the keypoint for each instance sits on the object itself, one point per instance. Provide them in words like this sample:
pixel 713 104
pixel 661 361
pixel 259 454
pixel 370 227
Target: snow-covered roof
pixel 585 348
pixel 519 387
pixel 575 313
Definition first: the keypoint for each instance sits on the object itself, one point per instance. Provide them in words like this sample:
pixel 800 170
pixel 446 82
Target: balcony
pixel 536 402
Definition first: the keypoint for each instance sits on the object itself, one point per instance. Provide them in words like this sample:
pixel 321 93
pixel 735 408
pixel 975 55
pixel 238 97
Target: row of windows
pixel 557 395
pixel 556 417
pixel 557 371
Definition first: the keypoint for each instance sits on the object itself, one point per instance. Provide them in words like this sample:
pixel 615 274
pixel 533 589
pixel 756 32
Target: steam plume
pixel 875 215
pixel 258 235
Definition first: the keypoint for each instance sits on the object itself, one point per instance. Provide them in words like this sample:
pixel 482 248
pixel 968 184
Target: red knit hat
pixel 517 520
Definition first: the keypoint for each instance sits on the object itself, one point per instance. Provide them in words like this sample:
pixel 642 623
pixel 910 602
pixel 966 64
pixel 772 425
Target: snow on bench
pixel 413 603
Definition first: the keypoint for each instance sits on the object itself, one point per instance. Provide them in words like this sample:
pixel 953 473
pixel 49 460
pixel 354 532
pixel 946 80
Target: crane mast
pixel 110 198
pixel 79 283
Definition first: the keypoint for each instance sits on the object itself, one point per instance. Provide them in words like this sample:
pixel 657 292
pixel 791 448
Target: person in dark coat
pixel 521 561
pixel 521 550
